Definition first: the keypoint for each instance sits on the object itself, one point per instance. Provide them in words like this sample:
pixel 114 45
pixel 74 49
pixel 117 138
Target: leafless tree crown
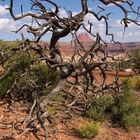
pixel 61 27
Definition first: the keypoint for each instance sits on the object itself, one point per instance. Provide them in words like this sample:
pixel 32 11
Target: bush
pixel 88 129
pixel 51 110
pixel 126 110
pixel 123 109
pixel 14 70
pixel 39 74
pixel 7 46
pixel 22 68
pixel 134 83
pixel 42 75
pixel 125 64
pixel 6 82
pixel 100 107
pixel 136 60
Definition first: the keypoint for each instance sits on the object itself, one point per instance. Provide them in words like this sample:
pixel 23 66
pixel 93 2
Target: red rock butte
pixel 84 38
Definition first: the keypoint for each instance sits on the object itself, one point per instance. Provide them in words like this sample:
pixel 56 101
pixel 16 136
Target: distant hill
pixel 67 48
pixel 84 38
pixel 123 47
pixel 87 42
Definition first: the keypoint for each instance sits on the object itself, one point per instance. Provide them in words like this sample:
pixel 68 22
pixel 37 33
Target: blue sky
pixel 7 25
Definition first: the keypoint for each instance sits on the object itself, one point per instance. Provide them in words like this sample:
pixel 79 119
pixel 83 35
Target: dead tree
pixel 46 21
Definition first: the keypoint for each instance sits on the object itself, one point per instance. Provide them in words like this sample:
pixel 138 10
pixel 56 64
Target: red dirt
pixel 9 117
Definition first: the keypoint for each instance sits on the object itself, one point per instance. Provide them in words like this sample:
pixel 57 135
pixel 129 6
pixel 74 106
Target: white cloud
pixel 132 25
pixel 7 25
pixel 98 26
pixel 3 10
pixel 130 34
pixel 63 13
pixel 136 33
pixel 118 24
pixel 3 22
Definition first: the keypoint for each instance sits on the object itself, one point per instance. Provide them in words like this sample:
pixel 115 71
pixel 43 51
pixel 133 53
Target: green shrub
pixel 14 70
pixel 40 73
pixel 22 65
pixel 51 110
pixel 7 46
pixel 19 61
pixel 88 129
pixel 125 65
pixel 100 107
pixel 42 76
pixel 6 82
pixel 126 110
pixel 136 60
pixel 133 82
pixel 122 109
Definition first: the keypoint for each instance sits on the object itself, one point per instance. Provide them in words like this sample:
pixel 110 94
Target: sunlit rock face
pixel 84 38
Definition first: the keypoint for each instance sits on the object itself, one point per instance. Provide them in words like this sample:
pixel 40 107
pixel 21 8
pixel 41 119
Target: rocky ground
pixel 12 120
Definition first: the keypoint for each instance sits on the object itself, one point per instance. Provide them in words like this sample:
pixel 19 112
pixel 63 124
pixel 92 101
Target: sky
pixel 8 25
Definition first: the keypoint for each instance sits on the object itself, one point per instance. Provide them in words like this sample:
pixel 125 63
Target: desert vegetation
pixel 55 91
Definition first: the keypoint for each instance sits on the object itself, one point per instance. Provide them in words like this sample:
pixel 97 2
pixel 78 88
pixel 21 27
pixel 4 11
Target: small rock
pixel 21 119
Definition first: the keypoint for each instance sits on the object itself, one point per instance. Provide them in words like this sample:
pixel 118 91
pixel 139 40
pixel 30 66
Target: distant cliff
pixel 87 42
pixel 123 47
